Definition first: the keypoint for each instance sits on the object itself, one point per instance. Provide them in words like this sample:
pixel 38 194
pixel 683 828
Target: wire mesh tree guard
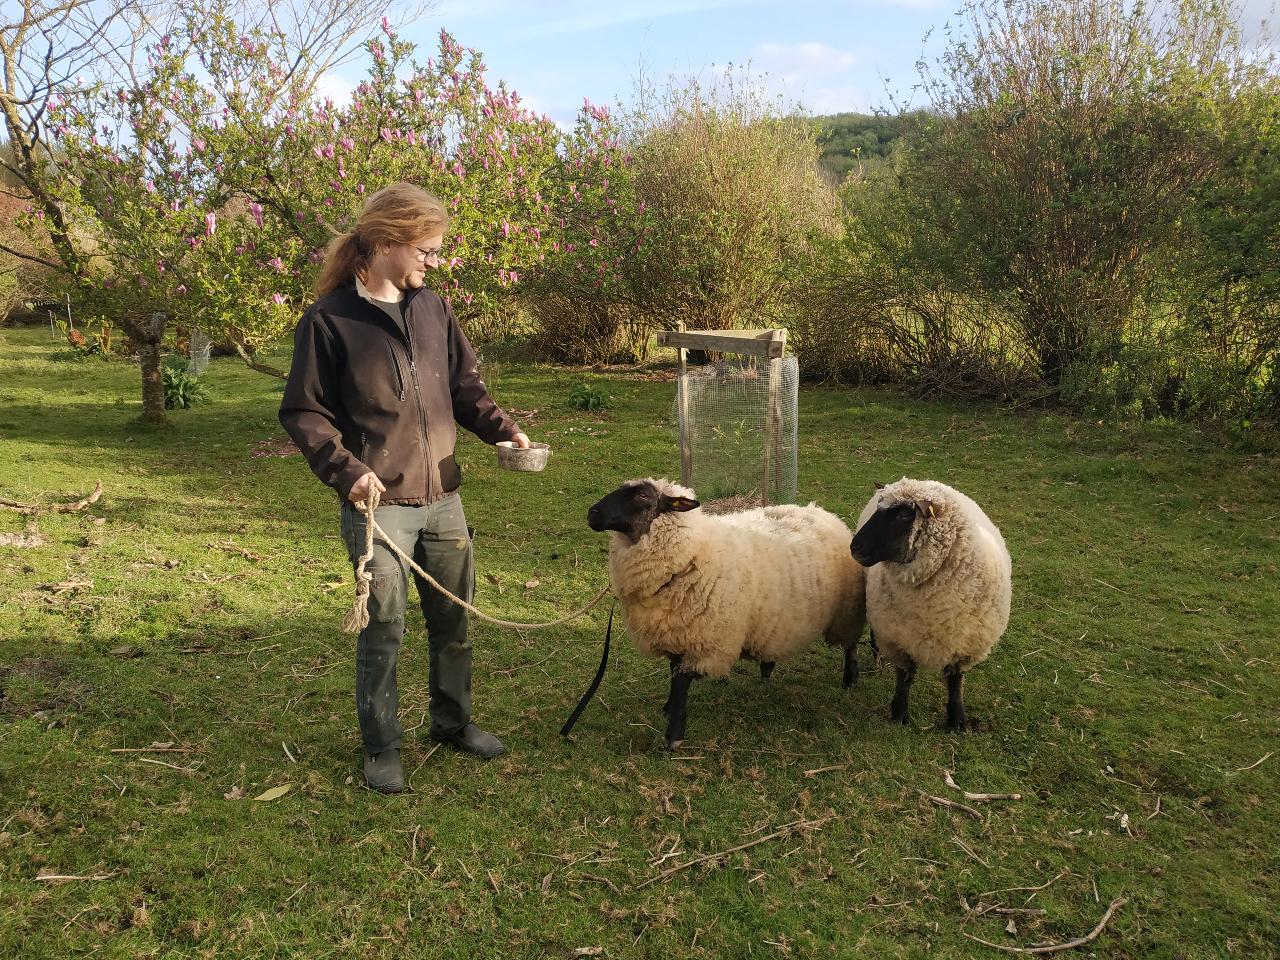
pixel 737 417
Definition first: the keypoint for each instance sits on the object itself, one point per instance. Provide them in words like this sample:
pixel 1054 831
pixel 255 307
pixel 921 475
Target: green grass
pixel 1138 677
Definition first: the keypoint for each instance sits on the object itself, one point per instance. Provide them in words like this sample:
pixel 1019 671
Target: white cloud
pixel 818 77
pixel 335 87
pixel 591 16
pixel 803 58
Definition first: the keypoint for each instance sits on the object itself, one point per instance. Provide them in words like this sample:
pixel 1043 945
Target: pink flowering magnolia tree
pixel 310 166
pixel 589 297
pixel 208 190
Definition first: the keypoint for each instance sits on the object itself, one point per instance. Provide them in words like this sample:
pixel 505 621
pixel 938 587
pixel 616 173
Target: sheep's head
pixel 894 532
pixel 632 508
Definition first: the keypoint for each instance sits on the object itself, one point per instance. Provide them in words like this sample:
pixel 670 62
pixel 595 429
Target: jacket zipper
pixel 422 414
pixel 395 359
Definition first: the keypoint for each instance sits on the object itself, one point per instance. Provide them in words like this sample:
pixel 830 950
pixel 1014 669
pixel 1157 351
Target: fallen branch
pixel 978 797
pixel 799 826
pixel 814 773
pixel 171 766
pixel 64 877
pixel 32 509
pixel 1043 886
pixel 944 802
pixel 1089 937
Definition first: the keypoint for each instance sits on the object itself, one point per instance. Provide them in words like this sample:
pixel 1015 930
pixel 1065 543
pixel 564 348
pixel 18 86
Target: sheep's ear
pixel 879 485
pixel 928 508
pixel 678 504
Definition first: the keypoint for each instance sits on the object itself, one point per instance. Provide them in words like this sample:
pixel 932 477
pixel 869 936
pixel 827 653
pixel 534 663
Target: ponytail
pixel 343 260
pixel 400 213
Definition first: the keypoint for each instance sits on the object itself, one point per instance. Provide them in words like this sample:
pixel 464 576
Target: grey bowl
pixel 529 459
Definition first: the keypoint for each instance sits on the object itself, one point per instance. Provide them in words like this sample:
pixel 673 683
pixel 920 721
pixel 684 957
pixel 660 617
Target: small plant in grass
pixel 586 397
pixel 182 388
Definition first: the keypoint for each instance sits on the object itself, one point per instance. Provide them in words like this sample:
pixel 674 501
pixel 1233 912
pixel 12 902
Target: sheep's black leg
pixel 766 669
pixel 898 711
pixel 875 647
pixel 676 704
pixel 675 665
pixel 850 666
pixel 957 722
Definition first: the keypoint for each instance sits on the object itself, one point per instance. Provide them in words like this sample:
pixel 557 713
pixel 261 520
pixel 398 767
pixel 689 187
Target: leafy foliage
pixel 701 201
pixel 182 388
pixel 585 396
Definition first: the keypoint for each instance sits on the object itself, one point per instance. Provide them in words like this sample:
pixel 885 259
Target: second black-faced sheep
pixel 939 585
pixel 706 590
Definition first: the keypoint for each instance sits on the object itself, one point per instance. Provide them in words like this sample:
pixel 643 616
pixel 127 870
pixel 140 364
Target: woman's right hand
pixel 360 489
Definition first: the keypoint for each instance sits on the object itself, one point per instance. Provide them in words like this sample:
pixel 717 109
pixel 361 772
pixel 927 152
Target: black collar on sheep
pixel 632 508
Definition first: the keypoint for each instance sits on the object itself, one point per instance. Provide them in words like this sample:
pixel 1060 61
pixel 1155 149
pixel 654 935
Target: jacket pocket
pixel 395 362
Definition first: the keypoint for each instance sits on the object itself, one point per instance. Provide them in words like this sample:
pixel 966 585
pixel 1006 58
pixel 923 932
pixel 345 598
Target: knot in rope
pixel 357 617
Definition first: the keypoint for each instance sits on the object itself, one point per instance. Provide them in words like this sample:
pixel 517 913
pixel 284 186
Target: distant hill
pixel 852 139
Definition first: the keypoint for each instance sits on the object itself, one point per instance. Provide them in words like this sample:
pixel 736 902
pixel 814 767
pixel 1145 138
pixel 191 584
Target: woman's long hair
pixel 400 213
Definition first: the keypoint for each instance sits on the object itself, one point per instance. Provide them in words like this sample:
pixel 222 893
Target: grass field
pixel 1134 703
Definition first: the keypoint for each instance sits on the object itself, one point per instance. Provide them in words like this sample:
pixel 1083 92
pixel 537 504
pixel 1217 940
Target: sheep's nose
pixel 593 517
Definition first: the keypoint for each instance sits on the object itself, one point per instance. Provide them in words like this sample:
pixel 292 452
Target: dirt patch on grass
pixel 38 684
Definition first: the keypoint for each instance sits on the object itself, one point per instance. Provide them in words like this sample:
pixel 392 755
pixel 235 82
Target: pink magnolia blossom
pixel 277 264
pixel 210 224
pixel 278 298
pixel 255 211
pixel 181 289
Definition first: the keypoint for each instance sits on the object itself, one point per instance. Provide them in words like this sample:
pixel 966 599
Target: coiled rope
pixel 357 617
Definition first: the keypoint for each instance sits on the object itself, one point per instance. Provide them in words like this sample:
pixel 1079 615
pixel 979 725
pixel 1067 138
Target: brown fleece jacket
pixel 362 396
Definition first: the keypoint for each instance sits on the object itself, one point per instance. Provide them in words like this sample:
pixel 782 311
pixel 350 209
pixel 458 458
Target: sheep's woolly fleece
pixel 950 604
pixel 761 583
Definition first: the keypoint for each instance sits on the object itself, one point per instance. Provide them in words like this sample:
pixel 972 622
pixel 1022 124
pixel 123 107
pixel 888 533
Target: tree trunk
pixel 152 384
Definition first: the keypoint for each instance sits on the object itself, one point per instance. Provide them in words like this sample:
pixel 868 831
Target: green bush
pixel 182 388
pixel 697 207
pixel 587 397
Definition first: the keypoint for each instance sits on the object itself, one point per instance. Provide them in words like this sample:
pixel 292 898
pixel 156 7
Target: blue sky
pixel 826 56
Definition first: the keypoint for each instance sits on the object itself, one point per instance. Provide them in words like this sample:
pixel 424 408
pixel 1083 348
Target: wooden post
pixel 773 418
pixel 682 391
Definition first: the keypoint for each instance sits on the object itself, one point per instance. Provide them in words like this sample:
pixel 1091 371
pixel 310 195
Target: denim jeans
pixel 436 537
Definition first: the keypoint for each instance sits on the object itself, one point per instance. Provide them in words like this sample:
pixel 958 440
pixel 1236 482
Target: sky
pixel 825 56
pixel 828 57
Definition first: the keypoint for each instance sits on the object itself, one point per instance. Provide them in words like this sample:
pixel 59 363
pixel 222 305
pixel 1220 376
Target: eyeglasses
pixel 425 255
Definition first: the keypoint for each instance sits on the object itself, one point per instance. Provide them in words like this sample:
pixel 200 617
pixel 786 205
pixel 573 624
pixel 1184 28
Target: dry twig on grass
pixel 1089 937
pixel 32 509
pixel 978 797
pixel 944 802
pixel 799 826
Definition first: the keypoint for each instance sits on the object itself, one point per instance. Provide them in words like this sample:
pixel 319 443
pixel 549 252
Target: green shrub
pixel 182 388
pixel 587 397
pixel 695 208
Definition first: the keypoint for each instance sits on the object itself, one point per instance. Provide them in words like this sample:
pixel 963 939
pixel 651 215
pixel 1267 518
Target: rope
pixel 357 617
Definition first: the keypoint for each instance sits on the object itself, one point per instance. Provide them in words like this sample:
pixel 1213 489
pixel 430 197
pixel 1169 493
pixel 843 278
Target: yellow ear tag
pixel 931 513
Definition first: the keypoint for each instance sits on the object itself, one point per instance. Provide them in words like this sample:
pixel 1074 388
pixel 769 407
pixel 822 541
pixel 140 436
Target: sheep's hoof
pixel 899 715
pixel 957 726
pixel 766 669
pixel 674 744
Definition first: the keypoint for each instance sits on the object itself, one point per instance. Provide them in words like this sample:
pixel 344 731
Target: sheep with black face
pixel 704 591
pixel 939 584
